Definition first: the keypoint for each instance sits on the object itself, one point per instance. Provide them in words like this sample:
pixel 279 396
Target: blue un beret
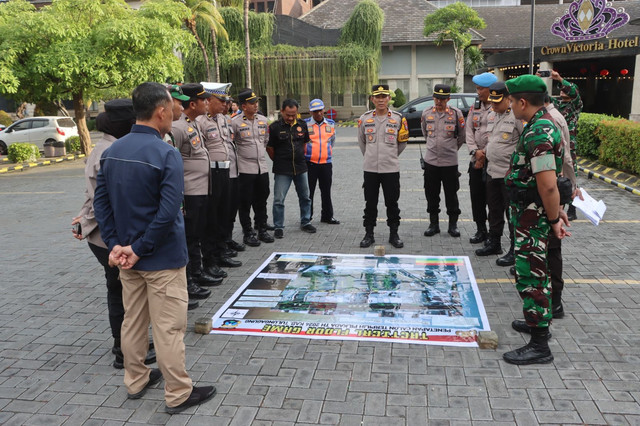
pixel 485 79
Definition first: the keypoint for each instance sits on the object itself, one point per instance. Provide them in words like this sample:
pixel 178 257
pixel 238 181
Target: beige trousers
pixel 159 297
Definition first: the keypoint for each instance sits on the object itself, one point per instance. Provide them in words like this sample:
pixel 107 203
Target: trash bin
pixel 59 149
pixel 49 150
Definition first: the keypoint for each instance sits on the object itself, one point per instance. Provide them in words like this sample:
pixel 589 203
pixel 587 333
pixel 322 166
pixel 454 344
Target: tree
pixel 399 99
pixel 214 36
pixel 247 48
pixel 452 23
pixel 80 49
pixel 206 12
pixel 473 60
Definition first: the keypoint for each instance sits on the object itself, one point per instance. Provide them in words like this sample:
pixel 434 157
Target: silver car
pixel 38 130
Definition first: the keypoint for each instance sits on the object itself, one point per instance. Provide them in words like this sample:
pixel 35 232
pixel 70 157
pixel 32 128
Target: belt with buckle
pixel 220 164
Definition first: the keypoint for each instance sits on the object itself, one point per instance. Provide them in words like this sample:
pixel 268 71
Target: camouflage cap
pixel 526 83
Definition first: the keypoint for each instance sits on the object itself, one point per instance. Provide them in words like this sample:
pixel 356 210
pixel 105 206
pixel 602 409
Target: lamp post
pixel 531 46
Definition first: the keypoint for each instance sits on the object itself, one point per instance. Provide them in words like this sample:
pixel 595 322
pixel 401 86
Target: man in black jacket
pixel 287 139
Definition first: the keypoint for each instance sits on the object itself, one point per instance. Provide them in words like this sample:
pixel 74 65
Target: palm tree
pixel 206 12
pixel 246 42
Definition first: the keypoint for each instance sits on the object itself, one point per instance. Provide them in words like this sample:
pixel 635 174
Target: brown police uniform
pixel 476 139
pixel 251 137
pixel 444 135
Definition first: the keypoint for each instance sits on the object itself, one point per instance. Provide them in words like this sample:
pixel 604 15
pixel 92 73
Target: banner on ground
pixel 407 299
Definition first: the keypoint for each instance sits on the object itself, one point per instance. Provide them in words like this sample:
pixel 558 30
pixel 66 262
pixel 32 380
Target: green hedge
pixel 620 144
pixel 587 141
pixel 73 144
pixel 21 152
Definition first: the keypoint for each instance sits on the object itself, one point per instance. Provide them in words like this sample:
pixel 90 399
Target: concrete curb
pixel 629 183
pixel 23 166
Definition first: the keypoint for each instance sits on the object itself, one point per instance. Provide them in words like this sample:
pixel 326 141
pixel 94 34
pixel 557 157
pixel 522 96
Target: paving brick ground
pixel 55 359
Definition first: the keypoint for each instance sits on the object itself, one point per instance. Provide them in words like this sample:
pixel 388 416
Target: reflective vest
pixel 322 137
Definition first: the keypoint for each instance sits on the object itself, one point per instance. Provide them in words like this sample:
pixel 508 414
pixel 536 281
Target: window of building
pixel 337 100
pixel 359 99
pixel 425 87
pixel 252 6
pixel 270 6
pixel 260 6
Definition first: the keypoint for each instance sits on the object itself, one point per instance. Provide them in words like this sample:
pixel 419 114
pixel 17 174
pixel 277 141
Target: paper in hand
pixel 592 209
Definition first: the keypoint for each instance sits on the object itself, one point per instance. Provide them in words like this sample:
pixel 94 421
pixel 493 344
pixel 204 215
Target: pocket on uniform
pixel 175 303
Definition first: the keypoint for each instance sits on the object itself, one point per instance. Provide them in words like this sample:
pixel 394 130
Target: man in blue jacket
pixel 137 205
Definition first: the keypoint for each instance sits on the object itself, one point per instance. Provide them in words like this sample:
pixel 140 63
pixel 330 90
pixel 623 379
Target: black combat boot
pixel 212 268
pixel 571 212
pixel 264 236
pixel 434 226
pixel 535 352
pixel 492 246
pixel 368 237
pixel 195 291
pixel 509 258
pixel 394 239
pixel 522 327
pixel 556 302
pixel 480 235
pixel 251 239
pixel 453 227
pixel 119 361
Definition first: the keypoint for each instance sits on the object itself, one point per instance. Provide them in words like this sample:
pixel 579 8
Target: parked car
pixel 412 110
pixel 38 130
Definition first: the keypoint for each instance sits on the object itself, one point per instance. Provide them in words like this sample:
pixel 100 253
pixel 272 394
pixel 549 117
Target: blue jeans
pixel 281 184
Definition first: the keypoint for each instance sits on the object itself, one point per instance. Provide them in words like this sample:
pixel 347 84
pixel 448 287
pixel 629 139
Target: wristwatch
pixel 473 152
pixel 556 220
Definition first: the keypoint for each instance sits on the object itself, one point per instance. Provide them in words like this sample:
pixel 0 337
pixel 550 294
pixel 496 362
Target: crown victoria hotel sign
pixel 584 23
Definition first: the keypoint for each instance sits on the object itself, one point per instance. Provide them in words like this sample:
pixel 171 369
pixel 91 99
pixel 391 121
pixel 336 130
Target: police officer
pixel 535 211
pixel 216 131
pixel 443 130
pixel 382 136
pixel 477 138
pixel 251 134
pixel 318 153
pixel 503 130
pixel 188 139
pixel 570 106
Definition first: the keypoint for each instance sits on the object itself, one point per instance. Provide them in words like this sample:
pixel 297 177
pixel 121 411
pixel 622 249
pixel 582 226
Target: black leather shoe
pixel 192 304
pixel 228 252
pixel 264 236
pixel 198 396
pixel 432 230
pixel 453 231
pixel 309 228
pixel 558 311
pixel 234 245
pixel 119 361
pixel 154 377
pixel 367 240
pixel 493 247
pixel 522 327
pixel 571 213
pixel 278 233
pixel 251 240
pixel 506 260
pixel 332 221
pixel 478 237
pixel 265 226
pixel 512 271
pixel 228 262
pixel 197 292
pixel 213 269
pixel 395 240
pixel 202 278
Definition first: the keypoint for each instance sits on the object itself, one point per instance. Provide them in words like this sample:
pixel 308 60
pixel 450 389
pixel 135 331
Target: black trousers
pixel 114 290
pixel 498 202
pixel 447 177
pixel 390 183
pixel 217 214
pixel 234 200
pixel 254 191
pixel 195 222
pixel 322 174
pixel 554 260
pixel 478 190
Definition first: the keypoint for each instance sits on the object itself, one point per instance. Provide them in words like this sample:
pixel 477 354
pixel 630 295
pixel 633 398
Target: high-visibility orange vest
pixel 322 136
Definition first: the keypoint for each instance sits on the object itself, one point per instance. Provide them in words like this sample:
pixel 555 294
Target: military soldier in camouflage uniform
pixel 535 211
pixel 570 106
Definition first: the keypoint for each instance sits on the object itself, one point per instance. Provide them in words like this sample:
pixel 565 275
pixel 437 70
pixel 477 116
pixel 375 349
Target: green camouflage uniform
pixel 571 112
pixel 539 149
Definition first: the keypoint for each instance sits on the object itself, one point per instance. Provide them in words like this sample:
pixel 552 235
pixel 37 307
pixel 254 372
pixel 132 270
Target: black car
pixel 412 111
